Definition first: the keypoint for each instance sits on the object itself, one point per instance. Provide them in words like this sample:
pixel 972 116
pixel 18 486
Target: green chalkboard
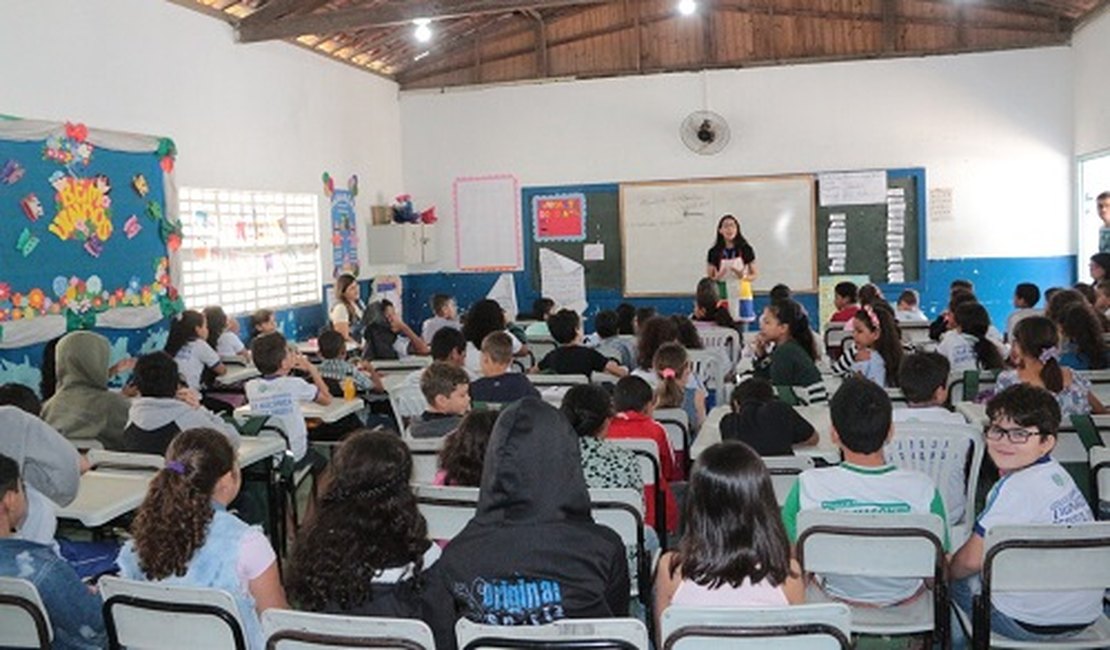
pixel 870 249
pixel 602 227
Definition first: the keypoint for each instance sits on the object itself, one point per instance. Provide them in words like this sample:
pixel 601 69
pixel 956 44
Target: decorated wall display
pixel 86 233
pixel 344 226
pixel 559 217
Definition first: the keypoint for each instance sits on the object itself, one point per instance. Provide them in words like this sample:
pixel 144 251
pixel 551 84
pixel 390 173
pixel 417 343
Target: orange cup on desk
pixel 348 388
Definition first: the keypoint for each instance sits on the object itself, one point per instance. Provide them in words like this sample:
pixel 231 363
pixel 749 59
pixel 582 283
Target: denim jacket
pixel 212 566
pixel 74 610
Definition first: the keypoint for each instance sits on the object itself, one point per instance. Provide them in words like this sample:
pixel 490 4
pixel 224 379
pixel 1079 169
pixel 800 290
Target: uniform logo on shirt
pixel 874 507
pixel 512 601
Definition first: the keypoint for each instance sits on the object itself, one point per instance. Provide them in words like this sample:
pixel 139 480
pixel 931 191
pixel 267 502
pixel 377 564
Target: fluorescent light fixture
pixel 687 7
pixel 421 55
pixel 423 32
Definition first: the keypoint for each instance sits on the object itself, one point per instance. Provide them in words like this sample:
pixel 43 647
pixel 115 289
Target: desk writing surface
pixel 103 496
pixel 337 410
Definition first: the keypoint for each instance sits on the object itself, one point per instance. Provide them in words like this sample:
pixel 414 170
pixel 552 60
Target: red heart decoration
pixel 77 132
pixel 167 164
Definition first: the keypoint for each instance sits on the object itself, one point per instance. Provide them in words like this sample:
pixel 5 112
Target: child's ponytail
pixel 1037 338
pixel 973 319
pixel 670 364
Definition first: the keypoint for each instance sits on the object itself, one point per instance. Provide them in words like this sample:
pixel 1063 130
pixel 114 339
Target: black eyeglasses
pixel 1016 436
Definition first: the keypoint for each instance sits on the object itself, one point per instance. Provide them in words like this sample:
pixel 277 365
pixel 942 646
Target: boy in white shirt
pixel 923 377
pixel 445 313
pixel 1034 489
pixel 907 309
pixel 279 395
pixel 864 483
pixel 1026 295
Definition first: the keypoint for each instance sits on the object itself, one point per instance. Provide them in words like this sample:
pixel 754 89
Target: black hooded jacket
pixel 532 554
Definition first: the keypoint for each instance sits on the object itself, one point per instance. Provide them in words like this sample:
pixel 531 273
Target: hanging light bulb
pixel 423 32
pixel 687 7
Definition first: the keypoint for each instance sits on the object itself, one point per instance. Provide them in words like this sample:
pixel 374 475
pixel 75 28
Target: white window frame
pixel 246 250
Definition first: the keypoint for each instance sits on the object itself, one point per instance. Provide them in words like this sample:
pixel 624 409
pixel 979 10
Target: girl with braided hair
pixel 184 535
pixel 366 548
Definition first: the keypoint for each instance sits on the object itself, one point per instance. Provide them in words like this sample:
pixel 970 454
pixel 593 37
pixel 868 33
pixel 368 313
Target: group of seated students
pixel 533 554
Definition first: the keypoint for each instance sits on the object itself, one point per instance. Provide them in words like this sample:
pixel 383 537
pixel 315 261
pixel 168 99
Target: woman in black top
pixel 730 258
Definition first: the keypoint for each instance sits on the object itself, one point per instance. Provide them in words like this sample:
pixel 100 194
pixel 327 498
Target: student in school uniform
pixel 923 379
pixel 943 322
pixel 497 385
pixel 792 361
pixel 907 310
pixel 445 313
pixel 764 423
pixel 571 357
pixel 484 317
pixel 447 392
pixel 608 341
pixel 82 408
pixel 223 333
pixel 278 395
pixel 188 345
pixel 262 321
pixel 1026 296
pixel 387 336
pixel 449 346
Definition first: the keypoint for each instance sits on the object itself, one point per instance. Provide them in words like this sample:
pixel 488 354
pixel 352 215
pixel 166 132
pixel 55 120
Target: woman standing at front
pixel 731 262
pixel 346 314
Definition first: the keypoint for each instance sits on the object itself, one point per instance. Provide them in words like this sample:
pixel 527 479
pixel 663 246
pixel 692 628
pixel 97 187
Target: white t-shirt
pixel 256 554
pixel 1042 493
pixel 960 349
pixel 280 397
pixel 474 355
pixel 192 359
pixel 850 488
pixel 434 324
pixel 937 414
pixel 229 345
pixel 339 313
pixel 41 523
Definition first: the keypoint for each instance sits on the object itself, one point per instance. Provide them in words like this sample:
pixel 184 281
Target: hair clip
pixel 667 373
pixel 1049 353
pixel 871 316
pixel 176 466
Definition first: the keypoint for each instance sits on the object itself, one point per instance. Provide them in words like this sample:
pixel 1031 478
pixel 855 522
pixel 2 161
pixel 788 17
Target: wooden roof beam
pixel 385 15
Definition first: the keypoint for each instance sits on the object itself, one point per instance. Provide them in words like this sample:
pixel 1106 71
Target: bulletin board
pixel 88 228
pixel 593 213
pixel 487 223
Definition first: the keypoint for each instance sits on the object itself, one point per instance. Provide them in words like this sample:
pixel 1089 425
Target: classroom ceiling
pixel 496 41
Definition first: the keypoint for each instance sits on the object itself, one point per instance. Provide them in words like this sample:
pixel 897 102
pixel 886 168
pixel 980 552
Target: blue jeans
pixel 962 592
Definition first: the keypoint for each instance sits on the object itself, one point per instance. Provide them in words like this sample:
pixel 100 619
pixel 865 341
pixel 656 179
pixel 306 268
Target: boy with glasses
pixel 1033 489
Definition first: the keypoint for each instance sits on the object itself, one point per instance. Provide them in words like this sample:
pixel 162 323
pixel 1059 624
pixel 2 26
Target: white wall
pixel 995 127
pixel 1091 46
pixel 267 116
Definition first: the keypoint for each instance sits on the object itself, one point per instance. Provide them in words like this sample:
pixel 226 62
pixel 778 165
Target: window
pixel 246 250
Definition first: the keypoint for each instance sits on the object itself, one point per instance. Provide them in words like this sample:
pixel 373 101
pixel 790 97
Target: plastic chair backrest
pixel 723 339
pixel 1047 557
pixel 447 509
pixel 291 630
pixel 677 425
pixel 799 627
pixel 711 367
pixel 407 402
pixel 870 545
pixel 23 617
pixel 784 472
pixel 425 458
pixel 151 615
pixel 1100 473
pixel 622 510
pixel 557 380
pixel 567 634
pixel 942 452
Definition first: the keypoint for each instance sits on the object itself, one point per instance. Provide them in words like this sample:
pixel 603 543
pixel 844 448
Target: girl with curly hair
pixel 365 550
pixel 460 460
pixel 183 534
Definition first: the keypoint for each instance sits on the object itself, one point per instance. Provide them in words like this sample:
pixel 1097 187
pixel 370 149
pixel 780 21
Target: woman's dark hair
pixel 889 344
pixel 484 317
pixel 687 332
pixel 217 323
pixel 1103 261
pixel 626 319
pixel 259 317
pixel 48 385
pixel 973 319
pixel 1034 335
pixel 464 450
pixel 587 407
pixel 791 314
pixel 654 332
pixel 367 521
pixel 734 529
pixel 21 397
pixel 707 301
pixel 541 307
pixel 1080 326
pixel 342 283
pixel 183 329
pixel 720 244
pixel 172 522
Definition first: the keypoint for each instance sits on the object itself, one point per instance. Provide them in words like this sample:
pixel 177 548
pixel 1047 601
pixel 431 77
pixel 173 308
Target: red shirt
pixel 844 315
pixel 631 424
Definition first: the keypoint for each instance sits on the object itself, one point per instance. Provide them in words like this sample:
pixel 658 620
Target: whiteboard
pixel 667 228
pixel 487 224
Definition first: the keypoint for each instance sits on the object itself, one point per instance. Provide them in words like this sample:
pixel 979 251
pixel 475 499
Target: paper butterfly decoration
pixel 93 246
pixel 11 173
pixel 32 207
pixel 138 182
pixel 27 242
pixel 132 226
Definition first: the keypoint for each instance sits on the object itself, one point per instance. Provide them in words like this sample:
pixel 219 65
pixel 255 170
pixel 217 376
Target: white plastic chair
pixel 567 634
pixel 622 510
pixel 711 368
pixel 447 509
pixel 677 425
pixel 799 627
pixel 407 402
pixel 1100 478
pixel 1044 558
pixel 835 336
pixel 723 339
pixel 879 546
pixel 541 379
pixel 651 471
pixel 23 617
pixel 425 458
pixel 942 452
pixel 916 334
pixel 290 630
pixel 784 472
pixel 540 347
pixel 151 615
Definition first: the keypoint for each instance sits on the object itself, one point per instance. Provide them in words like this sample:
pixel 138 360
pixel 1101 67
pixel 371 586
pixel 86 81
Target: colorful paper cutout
pixel 139 184
pixel 154 210
pixel 27 242
pixel 131 227
pixel 11 172
pixel 560 217
pixel 82 208
pixel 93 246
pixel 32 207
